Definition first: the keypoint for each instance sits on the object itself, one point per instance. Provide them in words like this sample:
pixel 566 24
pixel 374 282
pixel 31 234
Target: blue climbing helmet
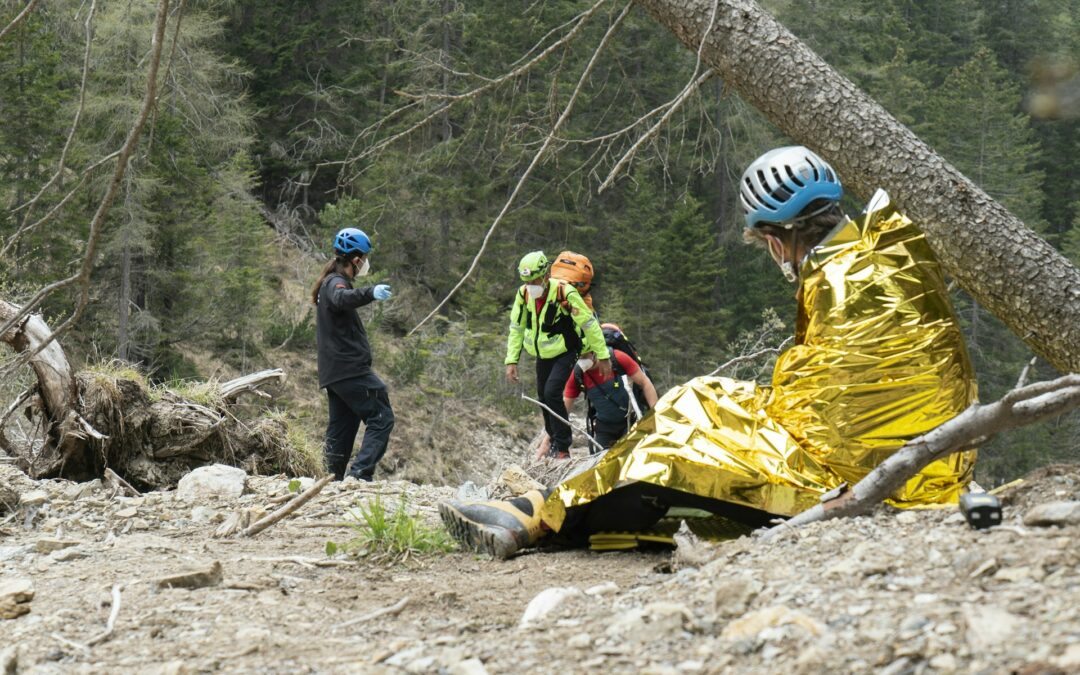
pixel 779 186
pixel 351 240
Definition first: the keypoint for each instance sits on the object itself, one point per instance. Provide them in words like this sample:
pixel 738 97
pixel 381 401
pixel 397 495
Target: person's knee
pixel 384 421
pixel 553 391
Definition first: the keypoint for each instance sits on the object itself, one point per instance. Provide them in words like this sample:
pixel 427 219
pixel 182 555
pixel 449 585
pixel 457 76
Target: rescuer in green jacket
pixel 551 320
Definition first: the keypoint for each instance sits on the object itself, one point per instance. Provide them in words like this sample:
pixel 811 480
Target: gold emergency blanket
pixel 879 359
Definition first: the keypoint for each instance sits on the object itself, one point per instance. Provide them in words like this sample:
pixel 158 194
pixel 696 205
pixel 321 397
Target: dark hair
pixel 809 232
pixel 336 265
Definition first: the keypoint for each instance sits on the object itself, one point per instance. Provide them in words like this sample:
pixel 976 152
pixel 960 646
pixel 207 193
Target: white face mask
pixel 534 290
pixel 585 364
pixel 365 269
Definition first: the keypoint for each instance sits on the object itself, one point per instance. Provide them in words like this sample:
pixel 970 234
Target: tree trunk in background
pixel 1003 264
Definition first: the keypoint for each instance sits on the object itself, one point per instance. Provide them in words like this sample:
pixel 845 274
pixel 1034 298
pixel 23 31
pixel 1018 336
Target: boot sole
pixel 495 541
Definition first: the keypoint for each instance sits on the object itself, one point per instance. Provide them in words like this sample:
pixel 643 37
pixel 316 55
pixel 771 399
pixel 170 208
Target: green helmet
pixel 533 266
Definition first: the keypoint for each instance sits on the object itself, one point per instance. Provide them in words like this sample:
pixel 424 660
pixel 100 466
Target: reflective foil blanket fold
pixel 879 359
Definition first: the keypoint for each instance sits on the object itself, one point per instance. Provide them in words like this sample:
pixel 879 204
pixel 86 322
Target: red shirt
pixel 592 376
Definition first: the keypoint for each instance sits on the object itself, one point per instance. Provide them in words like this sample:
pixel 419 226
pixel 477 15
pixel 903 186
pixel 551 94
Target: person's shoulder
pixel 624 359
pixel 335 281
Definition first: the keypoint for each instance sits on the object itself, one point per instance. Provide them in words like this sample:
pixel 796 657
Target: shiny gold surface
pixel 878 360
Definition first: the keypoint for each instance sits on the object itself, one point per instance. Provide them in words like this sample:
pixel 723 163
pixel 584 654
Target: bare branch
pixel 114 611
pixel 675 104
pixel 750 357
pixel 453 99
pixel 13 239
pixel 535 160
pixel 168 70
pixel 1018 408
pixel 1022 380
pixel 19 18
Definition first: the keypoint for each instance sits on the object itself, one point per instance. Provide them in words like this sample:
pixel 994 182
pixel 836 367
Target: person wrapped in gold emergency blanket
pixel 878 360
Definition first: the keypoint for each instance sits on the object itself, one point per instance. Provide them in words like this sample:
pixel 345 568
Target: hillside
pixel 897 592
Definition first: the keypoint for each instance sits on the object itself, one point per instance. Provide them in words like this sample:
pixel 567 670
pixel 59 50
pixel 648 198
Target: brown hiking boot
pixel 498 528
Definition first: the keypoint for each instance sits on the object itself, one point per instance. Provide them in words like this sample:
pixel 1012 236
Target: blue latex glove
pixel 382 292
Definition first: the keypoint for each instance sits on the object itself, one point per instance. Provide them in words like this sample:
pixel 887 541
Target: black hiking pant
pixel 352 401
pixel 606 434
pixel 551 377
pixel 638 506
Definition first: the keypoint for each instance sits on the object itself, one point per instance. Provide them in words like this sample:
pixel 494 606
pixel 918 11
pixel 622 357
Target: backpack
pixel 576 270
pixel 616 340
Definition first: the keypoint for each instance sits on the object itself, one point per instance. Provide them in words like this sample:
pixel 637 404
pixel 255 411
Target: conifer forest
pixel 469 132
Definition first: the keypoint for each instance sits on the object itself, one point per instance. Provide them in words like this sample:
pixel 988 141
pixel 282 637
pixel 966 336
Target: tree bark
pixel 57 389
pixel 1009 269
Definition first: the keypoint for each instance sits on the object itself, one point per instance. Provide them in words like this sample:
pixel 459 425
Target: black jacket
pixel 344 352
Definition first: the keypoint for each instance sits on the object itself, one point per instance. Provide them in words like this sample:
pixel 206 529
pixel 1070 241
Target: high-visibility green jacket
pixel 564 323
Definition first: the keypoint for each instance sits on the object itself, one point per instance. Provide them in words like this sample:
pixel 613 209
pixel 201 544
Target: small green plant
pixel 294 485
pixel 395 535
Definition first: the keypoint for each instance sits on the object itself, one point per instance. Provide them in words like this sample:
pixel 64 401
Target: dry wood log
pixel 232 389
pixel 277 515
pixel 1018 408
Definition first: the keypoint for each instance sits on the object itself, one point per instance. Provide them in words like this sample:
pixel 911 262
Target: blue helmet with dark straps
pixel 350 241
pixel 779 186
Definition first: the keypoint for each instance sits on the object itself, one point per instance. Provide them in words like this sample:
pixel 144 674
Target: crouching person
pixel 611 397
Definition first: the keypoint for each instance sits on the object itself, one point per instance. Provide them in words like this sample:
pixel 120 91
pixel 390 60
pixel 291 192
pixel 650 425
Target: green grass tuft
pixel 396 535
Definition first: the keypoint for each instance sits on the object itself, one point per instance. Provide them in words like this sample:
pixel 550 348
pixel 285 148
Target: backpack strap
pixel 525 316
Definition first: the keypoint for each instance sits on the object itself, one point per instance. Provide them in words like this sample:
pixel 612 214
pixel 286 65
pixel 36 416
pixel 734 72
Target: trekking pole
pixel 633 399
pixel 563 419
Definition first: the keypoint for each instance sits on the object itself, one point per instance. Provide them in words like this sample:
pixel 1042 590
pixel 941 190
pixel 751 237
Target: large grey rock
pixel 1053 513
pixel 216 480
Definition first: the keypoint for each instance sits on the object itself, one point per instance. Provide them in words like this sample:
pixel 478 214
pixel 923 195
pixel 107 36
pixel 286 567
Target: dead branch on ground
pixel 392 610
pixel 274 517
pixel 1020 407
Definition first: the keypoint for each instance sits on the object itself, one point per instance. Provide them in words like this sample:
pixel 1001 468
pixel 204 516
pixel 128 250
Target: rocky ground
pixel 898 592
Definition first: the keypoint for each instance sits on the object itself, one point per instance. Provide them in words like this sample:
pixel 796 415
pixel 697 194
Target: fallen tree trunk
pixel 97 421
pixel 57 393
pixel 1009 269
pixel 1020 407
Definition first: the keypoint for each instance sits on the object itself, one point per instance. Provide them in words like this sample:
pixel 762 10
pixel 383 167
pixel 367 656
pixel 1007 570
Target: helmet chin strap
pixel 788 270
pixel 787 267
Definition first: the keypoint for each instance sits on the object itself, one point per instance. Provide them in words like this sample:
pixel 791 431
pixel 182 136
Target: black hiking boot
pixel 498 528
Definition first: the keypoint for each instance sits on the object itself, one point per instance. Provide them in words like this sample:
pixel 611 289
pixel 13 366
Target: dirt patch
pixel 898 592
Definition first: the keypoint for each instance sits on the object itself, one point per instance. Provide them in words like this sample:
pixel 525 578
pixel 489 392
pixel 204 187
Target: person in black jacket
pixel 355 392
